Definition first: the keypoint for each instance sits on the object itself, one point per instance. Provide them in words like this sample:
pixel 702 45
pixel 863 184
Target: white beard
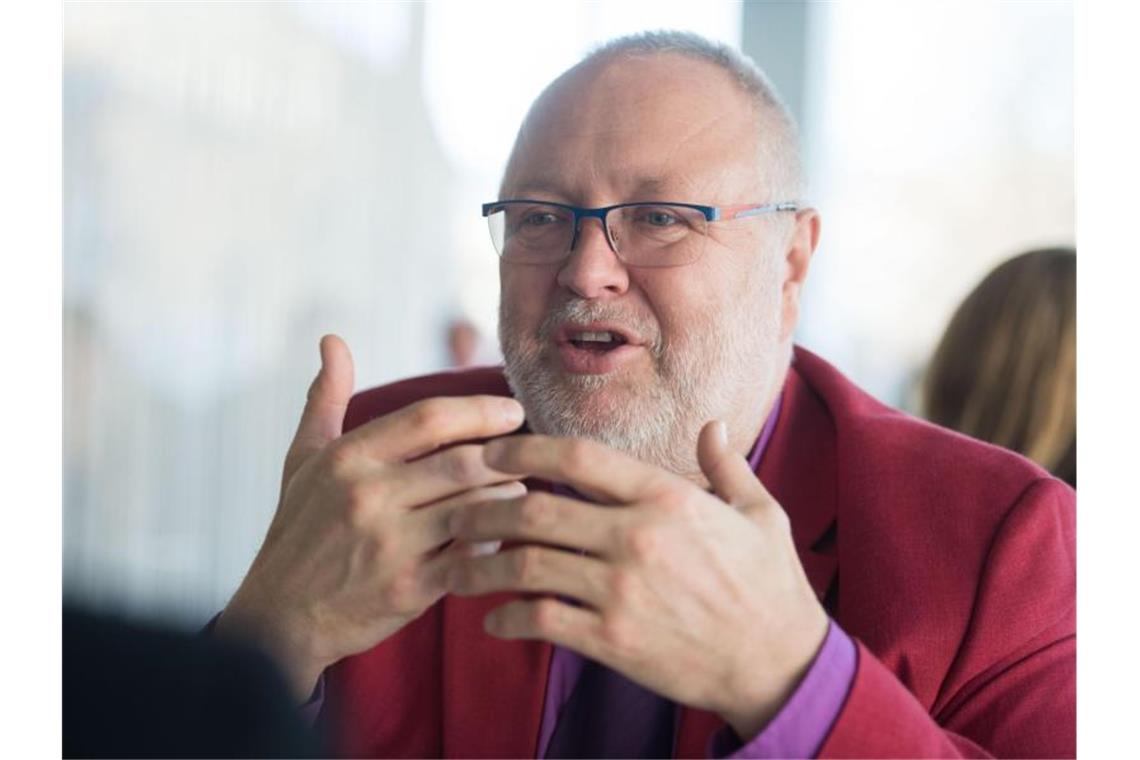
pixel 723 370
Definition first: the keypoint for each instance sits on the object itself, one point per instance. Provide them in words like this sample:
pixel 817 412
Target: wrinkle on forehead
pixel 664 124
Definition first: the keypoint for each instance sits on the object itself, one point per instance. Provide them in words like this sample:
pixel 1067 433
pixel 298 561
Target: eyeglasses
pixel 640 234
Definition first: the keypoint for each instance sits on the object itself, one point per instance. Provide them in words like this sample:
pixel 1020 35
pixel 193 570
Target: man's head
pixel 657 117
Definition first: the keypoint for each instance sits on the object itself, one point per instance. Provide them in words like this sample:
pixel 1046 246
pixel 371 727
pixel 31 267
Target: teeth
pixel 599 337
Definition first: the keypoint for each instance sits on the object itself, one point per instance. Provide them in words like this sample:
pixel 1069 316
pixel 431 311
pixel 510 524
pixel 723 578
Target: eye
pixel 659 218
pixel 539 219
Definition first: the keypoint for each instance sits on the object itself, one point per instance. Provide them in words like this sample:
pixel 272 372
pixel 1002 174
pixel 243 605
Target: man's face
pixel 703 341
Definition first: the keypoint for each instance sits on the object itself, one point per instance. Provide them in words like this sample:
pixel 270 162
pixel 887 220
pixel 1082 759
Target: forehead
pixel 642 127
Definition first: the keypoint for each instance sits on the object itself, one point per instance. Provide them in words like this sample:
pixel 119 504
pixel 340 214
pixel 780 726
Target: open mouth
pixel 597 342
pixel 596 348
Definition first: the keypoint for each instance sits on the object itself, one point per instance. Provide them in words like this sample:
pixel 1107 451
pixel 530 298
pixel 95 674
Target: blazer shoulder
pixel 885 451
pixel 376 402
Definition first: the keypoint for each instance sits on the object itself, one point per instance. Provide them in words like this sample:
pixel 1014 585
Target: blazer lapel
pixel 799 470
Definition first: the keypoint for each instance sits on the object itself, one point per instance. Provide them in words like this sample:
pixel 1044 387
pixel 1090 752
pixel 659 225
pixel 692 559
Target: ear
pixel 801 246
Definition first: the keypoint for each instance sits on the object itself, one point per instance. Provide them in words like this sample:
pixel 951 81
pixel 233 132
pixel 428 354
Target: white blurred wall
pixel 236 185
pixel 939 142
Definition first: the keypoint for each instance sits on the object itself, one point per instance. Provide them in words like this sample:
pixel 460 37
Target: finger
pixel 536 569
pixel 428 527
pixel 591 468
pixel 549 619
pixel 322 419
pixel 431 423
pixel 545 518
pixel 728 472
pixel 440 475
pixel 434 568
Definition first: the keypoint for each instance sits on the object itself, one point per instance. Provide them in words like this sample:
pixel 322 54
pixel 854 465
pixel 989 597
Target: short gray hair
pixel 779 144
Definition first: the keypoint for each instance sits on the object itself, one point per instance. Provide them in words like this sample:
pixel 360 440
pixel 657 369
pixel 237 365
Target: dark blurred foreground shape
pixel 1006 369
pixel 136 690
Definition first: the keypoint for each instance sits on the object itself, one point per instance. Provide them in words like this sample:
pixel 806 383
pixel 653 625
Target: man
pixel 721 546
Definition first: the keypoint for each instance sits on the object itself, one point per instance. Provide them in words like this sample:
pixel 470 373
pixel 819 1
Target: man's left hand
pixel 700 597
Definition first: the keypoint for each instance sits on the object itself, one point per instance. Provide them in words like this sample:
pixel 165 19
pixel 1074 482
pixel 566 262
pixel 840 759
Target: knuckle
pixel 642 542
pixel 314 388
pixel 533 515
pixel 426 415
pixel 401 593
pixel 617 635
pixel 358 505
pixel 341 459
pixel 463 465
pixel 545 616
pixel 385 544
pixel 527 565
pixel 579 455
pixel 683 509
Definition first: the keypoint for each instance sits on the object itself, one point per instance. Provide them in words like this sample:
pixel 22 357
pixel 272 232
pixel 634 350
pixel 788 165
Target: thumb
pixel 322 420
pixel 728 472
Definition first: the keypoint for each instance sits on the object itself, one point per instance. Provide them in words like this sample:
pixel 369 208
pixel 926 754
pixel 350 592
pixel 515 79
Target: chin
pixel 632 417
pixel 573 404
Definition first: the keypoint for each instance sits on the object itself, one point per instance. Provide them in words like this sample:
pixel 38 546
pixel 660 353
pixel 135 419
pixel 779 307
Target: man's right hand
pixel 356 549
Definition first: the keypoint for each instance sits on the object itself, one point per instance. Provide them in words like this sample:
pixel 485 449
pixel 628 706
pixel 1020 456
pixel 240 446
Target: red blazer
pixel 951 563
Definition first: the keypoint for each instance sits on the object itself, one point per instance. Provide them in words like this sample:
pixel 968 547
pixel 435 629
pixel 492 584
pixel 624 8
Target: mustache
pixel 580 310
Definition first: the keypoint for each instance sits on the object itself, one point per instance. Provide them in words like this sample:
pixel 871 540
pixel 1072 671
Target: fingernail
pixel 490 623
pixel 511 412
pixel 721 433
pixel 485 548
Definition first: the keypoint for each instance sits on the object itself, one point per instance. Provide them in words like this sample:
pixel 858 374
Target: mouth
pixel 595 336
pixel 595 348
pixel 599 342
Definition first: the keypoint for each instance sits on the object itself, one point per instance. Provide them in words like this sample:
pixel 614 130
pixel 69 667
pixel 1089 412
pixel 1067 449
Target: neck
pixel 750 414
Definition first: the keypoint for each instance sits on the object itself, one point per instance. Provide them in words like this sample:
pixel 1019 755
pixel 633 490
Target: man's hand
pixel 699 597
pixel 356 548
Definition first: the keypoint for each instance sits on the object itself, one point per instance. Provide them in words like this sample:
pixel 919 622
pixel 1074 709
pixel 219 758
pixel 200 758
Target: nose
pixel 593 270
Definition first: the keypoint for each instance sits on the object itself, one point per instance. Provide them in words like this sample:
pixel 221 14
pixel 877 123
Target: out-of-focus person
pixel 463 341
pixel 1005 371
pixel 467 347
pixel 135 688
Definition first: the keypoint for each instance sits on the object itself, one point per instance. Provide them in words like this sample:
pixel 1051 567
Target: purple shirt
pixel 801 725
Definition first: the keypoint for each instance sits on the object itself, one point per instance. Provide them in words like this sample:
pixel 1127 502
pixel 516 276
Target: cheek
pixel 684 301
pixel 733 295
pixel 524 294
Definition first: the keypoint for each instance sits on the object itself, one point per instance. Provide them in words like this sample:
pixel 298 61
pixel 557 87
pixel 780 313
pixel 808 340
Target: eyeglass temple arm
pixel 746 210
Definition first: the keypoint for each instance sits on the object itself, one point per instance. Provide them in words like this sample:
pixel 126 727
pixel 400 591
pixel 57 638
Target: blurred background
pixel 240 179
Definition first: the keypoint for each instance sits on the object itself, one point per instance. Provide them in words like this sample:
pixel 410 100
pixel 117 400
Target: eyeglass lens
pixel 642 235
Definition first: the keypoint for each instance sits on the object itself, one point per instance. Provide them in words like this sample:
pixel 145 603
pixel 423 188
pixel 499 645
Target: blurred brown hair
pixel 1005 371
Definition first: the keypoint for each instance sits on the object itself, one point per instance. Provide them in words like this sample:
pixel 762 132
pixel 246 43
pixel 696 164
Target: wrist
pixel 761 695
pixel 290 646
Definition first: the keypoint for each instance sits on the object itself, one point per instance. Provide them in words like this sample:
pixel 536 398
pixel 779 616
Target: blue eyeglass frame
pixel 711 213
